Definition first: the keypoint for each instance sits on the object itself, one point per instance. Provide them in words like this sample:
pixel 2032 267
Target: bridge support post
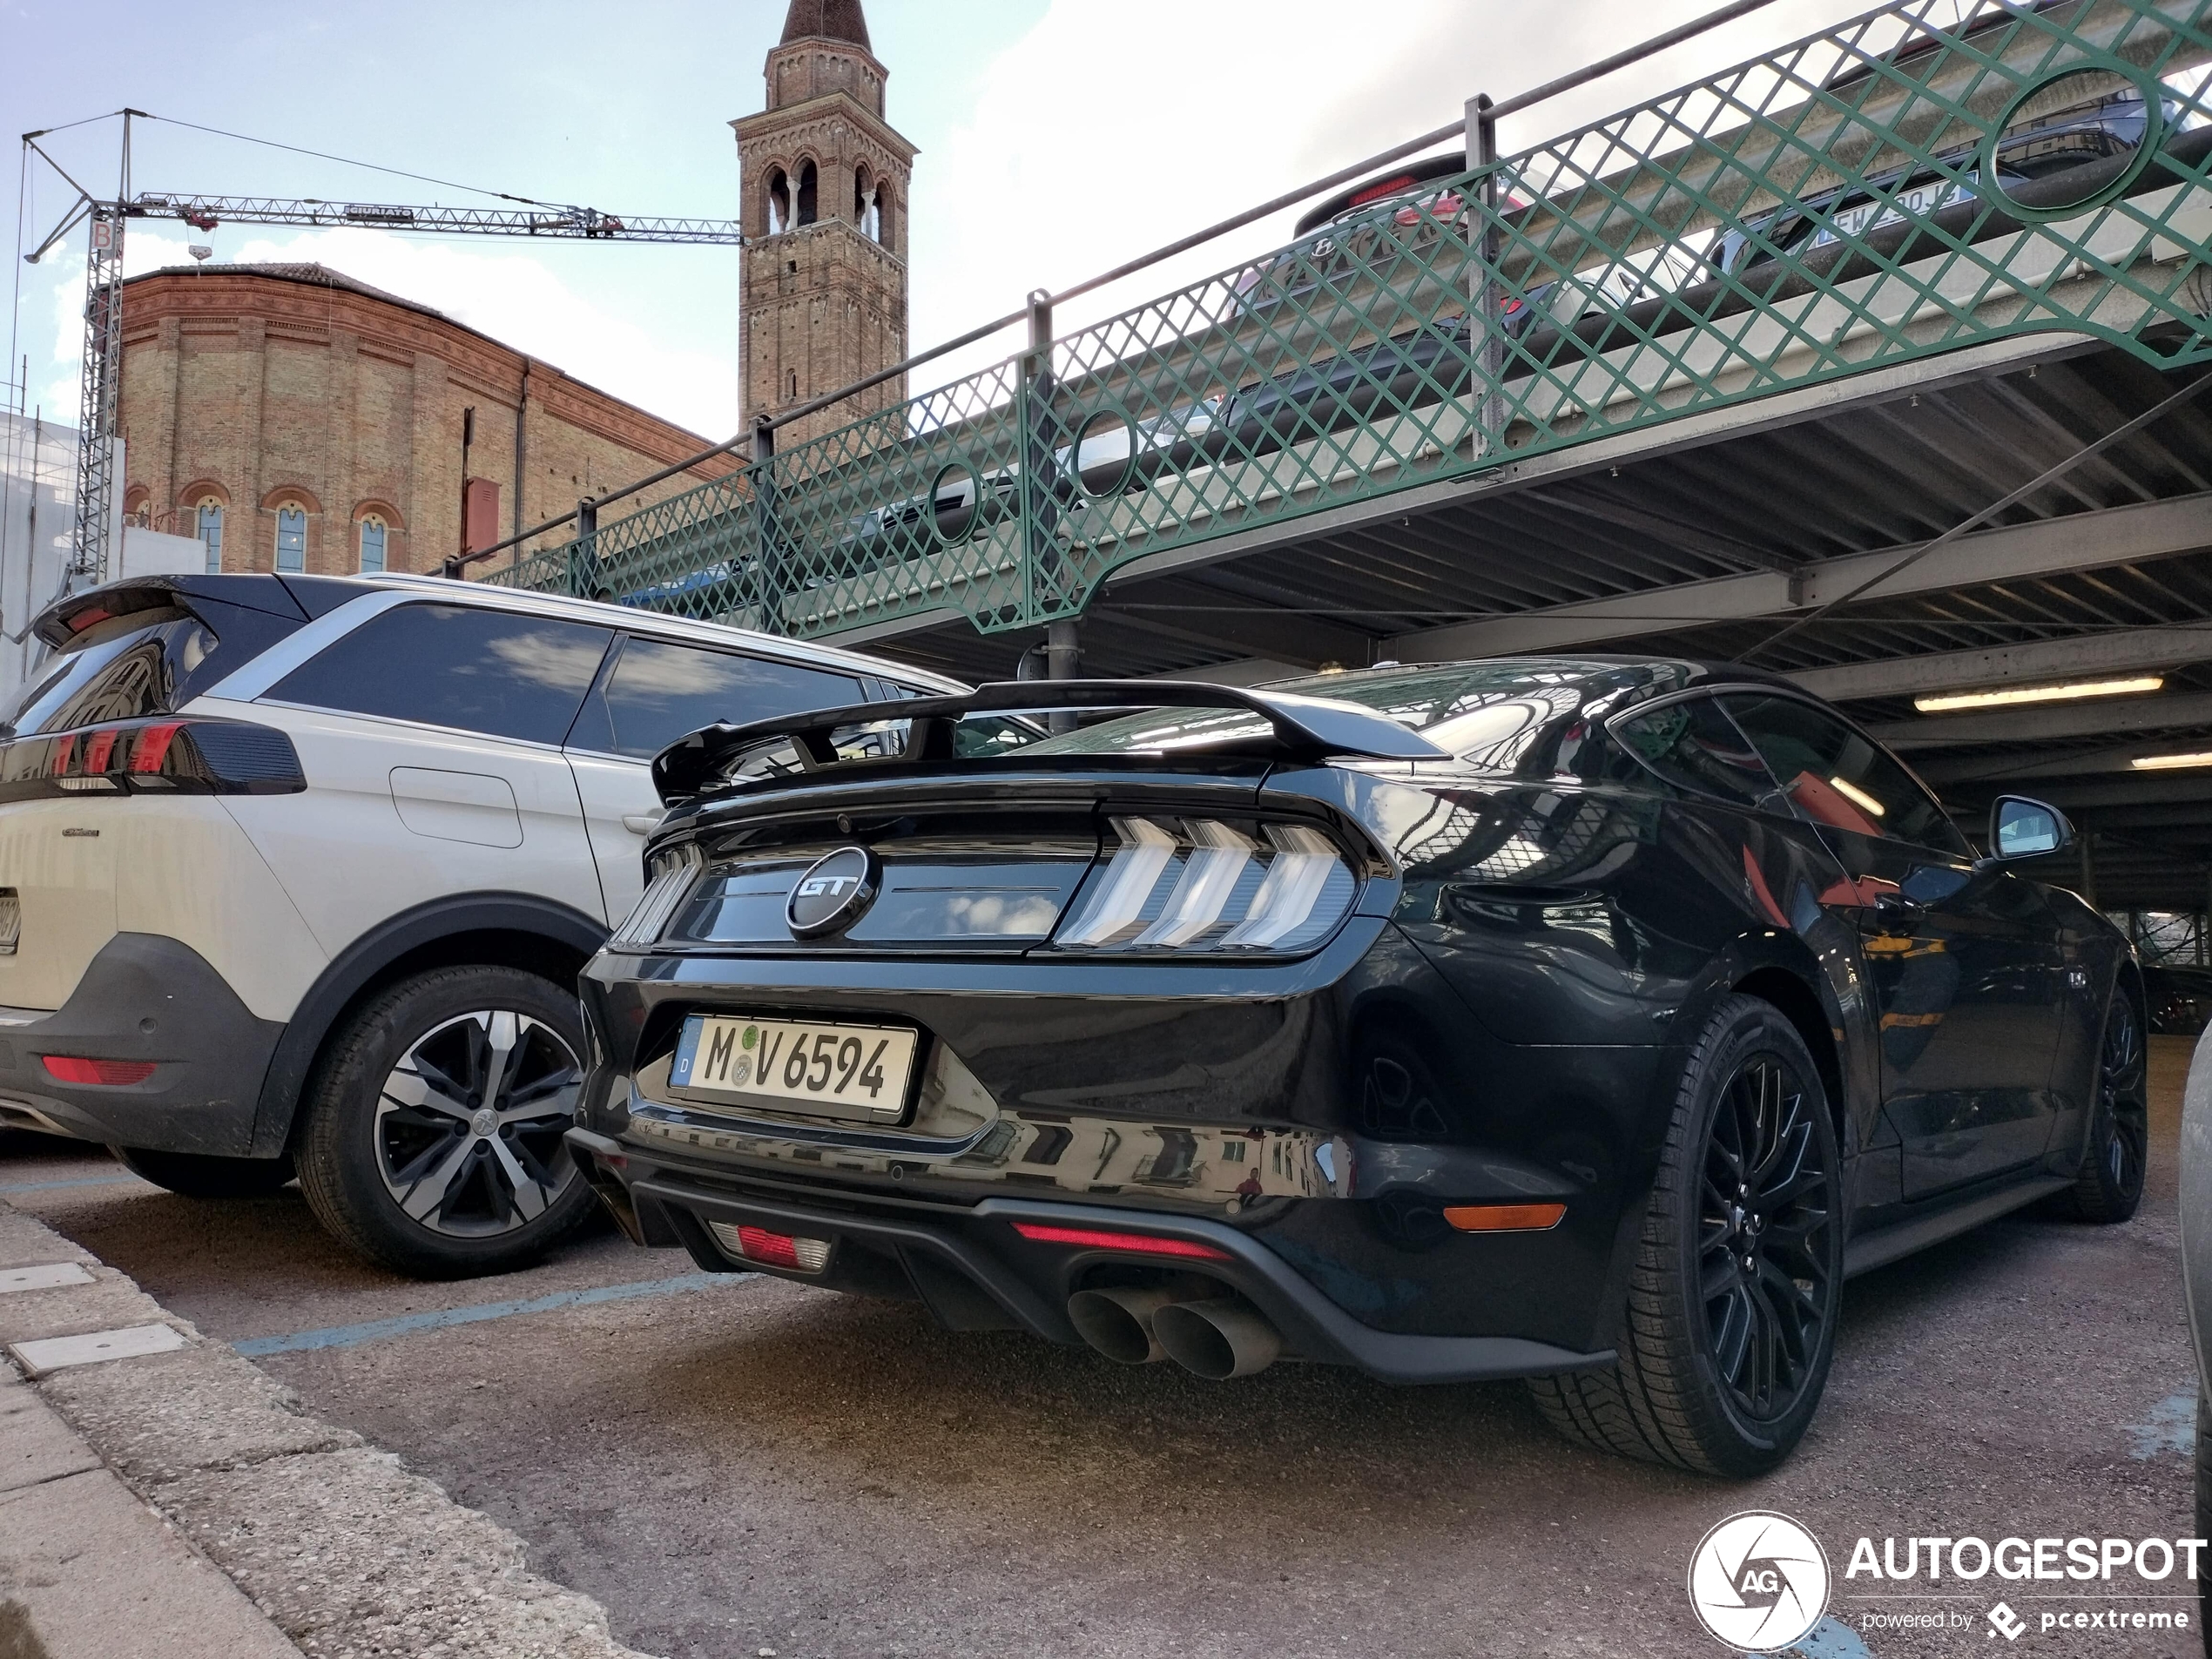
pixel 1486 310
pixel 583 561
pixel 1062 661
pixel 768 564
pixel 1039 496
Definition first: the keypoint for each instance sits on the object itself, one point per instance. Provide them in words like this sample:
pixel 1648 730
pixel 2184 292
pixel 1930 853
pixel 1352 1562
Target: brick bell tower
pixel 824 294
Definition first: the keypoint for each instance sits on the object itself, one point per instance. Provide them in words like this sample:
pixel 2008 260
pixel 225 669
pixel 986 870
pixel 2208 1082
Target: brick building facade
pixel 289 413
pixel 824 177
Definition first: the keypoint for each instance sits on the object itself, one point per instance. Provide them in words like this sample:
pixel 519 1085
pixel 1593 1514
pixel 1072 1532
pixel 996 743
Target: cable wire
pixel 348 161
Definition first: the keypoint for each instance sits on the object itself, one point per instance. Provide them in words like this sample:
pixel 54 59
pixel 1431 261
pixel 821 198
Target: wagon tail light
pixel 1195 885
pixel 164 755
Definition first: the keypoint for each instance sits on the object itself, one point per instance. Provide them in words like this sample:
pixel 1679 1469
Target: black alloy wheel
pixel 1763 1222
pixel 1733 1297
pixel 2110 1182
pixel 431 1138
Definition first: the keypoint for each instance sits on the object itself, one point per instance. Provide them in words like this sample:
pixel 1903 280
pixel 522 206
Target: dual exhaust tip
pixel 1217 1337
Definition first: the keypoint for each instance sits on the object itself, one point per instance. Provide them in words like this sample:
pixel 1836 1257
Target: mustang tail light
pixel 152 756
pixel 669 874
pixel 1191 886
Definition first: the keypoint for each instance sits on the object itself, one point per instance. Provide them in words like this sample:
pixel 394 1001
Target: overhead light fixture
pixel 1952 702
pixel 2170 762
pixel 1857 796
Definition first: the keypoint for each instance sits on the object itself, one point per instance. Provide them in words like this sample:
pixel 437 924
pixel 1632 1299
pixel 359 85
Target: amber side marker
pixel 1504 1218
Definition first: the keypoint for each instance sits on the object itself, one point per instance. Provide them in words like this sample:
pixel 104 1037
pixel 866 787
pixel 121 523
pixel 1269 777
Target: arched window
pixel 791 385
pixel 292 539
pixel 806 194
pixel 866 217
pixel 209 516
pixel 372 545
pixel 882 215
pixel 778 202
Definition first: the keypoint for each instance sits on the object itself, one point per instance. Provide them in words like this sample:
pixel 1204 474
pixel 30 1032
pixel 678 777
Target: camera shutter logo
pixel 832 893
pixel 1759 1582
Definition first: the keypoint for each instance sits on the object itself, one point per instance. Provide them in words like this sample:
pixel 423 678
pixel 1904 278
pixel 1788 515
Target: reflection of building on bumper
pixel 187 1056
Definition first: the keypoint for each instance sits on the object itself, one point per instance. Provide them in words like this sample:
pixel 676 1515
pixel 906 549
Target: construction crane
pixel 102 371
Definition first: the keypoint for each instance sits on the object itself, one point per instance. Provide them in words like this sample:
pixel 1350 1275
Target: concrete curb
pixel 349 1555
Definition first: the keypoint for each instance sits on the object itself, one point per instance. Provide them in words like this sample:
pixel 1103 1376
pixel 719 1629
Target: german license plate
pixel 856 1073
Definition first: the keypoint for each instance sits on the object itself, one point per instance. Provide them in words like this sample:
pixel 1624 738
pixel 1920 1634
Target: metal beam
pixel 2046 659
pixel 2048 547
pixel 2098 717
pixel 2143 789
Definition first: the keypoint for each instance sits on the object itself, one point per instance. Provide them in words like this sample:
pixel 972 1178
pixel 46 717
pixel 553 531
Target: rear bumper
pixel 972 1269
pixel 150 999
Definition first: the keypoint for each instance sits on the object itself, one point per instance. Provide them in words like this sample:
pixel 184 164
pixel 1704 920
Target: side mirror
pixel 2021 828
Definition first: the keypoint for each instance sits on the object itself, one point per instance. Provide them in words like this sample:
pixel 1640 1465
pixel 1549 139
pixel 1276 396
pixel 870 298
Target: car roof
pixel 316 594
pixel 1682 672
pixel 1446 166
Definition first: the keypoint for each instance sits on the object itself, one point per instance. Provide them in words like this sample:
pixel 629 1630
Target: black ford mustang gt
pixel 1587 1020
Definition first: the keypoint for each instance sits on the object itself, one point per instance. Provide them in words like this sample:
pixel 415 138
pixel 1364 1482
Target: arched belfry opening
pixel 822 311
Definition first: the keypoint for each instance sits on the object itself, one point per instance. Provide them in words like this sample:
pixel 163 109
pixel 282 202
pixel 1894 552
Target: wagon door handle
pixel 642 823
pixel 1896 910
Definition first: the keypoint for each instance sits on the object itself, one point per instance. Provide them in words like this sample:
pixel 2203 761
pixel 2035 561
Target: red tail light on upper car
pixel 152 756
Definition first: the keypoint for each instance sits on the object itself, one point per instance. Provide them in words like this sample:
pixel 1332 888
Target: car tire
pixel 406 1157
pixel 2204 1509
pixel 194 1175
pixel 1720 1367
pixel 2109 1185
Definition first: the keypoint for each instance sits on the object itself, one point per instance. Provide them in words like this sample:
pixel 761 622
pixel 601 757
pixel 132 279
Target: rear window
pixel 143 662
pixel 496 672
pixel 660 692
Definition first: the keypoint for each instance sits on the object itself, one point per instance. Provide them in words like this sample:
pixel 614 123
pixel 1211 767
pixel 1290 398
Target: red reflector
pixel 1504 1218
pixel 65 755
pixel 1090 1238
pixel 76 1069
pixel 97 747
pixel 153 746
pixel 84 619
pixel 778 1249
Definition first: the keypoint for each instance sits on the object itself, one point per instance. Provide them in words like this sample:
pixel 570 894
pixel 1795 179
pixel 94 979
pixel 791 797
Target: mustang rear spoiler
pixel 1307 728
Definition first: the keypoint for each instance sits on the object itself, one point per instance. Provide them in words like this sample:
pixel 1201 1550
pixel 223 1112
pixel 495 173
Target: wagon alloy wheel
pixel 2110 1182
pixel 1725 1342
pixel 431 1132
pixel 469 1122
pixel 1763 1260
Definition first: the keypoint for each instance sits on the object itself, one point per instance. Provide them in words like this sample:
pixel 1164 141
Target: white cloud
pixel 1108 130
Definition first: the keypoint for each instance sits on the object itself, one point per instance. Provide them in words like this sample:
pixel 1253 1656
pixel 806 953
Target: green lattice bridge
pixel 1902 186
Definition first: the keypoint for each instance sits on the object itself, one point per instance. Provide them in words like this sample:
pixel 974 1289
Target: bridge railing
pixel 1903 185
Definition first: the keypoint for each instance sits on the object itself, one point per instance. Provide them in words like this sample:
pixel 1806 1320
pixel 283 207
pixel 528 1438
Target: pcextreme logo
pixel 1759 1582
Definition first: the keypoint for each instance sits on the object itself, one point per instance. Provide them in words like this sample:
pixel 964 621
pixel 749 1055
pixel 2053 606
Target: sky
pixel 1058 139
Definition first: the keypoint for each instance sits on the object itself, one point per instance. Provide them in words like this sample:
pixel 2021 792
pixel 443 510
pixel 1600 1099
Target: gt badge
pixel 832 893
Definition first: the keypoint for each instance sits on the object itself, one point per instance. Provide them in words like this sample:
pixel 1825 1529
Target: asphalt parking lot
pixel 733 1467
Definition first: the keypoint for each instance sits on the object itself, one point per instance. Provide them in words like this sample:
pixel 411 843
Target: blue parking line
pixel 350 1336
pixel 82 1181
